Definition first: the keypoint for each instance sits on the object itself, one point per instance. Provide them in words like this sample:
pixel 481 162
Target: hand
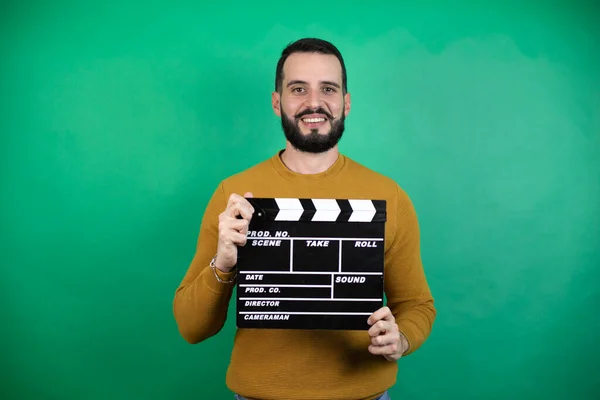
pixel 386 338
pixel 233 230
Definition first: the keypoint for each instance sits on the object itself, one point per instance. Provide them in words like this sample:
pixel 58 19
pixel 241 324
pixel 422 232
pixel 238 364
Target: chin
pixel 320 131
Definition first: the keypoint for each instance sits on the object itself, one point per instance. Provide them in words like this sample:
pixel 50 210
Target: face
pixel 312 105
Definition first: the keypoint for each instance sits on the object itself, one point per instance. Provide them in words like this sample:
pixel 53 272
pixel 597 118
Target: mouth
pixel 313 121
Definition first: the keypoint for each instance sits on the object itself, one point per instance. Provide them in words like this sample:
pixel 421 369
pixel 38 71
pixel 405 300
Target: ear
pixel 276 103
pixel 347 104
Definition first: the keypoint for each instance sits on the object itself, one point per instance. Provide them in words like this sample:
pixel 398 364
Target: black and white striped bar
pixel 311 264
pixel 322 210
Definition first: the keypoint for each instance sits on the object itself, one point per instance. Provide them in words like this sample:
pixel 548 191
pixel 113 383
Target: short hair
pixel 309 45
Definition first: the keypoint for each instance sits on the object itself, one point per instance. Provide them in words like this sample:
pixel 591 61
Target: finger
pixel 230 237
pixel 237 238
pixel 388 350
pixel 244 228
pixel 240 209
pixel 238 225
pixel 229 226
pixel 383 313
pixel 248 195
pixel 381 326
pixel 236 199
pixel 385 340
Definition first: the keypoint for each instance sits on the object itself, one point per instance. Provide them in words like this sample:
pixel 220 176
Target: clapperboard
pixel 311 264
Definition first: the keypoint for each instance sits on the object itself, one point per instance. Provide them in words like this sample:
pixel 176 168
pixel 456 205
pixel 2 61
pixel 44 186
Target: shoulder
pixel 379 184
pixel 360 172
pixel 258 170
pixel 400 212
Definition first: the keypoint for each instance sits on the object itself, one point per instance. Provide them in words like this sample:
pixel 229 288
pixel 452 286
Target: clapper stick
pixel 311 264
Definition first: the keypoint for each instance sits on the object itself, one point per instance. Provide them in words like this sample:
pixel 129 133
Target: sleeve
pixel 407 291
pixel 201 302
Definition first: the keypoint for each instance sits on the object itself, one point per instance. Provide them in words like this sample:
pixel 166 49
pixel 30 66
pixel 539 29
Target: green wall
pixel 118 120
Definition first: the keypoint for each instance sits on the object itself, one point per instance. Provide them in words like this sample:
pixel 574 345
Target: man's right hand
pixel 233 228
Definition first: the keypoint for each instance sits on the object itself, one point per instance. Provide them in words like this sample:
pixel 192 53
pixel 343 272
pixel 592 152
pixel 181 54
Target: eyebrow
pixel 295 82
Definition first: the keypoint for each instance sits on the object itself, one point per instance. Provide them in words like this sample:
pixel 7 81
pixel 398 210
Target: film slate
pixel 311 264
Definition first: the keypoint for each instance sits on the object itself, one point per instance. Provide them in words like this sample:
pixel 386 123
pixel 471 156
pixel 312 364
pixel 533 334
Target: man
pixel 312 99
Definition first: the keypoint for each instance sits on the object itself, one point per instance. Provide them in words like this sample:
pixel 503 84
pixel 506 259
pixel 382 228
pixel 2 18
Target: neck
pixel 308 163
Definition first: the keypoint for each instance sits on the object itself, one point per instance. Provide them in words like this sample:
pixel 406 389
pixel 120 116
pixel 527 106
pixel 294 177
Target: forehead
pixel 312 67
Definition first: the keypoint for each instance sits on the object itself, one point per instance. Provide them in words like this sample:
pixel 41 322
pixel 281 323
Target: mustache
pixel 318 110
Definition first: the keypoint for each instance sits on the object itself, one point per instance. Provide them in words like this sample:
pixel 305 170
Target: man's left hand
pixel 386 339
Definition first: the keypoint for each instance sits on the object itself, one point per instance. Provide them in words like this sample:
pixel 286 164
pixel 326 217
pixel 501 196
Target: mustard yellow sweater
pixel 298 364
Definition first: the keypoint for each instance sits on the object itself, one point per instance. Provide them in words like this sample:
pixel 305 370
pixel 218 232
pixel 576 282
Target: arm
pixel 406 287
pixel 201 301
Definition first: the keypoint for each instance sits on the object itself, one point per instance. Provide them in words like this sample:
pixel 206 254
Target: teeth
pixel 313 120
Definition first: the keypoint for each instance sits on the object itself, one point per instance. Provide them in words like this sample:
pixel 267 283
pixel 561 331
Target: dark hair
pixel 309 45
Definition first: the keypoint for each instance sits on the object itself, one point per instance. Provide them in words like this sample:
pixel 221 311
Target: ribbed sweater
pixel 309 364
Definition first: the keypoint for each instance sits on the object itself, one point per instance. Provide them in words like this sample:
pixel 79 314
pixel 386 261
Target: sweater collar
pixel 287 173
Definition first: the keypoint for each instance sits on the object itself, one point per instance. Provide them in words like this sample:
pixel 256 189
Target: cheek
pixel 291 107
pixel 336 108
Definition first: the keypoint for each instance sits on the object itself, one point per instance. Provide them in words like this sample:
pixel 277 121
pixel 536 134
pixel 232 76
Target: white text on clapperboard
pixel 256 293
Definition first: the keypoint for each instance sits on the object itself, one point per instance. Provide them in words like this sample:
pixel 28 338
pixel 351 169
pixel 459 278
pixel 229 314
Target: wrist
pixel 222 276
pixel 403 343
pixel 216 262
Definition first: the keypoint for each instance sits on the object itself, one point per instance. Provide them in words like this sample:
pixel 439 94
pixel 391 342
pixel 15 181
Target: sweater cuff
pixel 411 333
pixel 210 279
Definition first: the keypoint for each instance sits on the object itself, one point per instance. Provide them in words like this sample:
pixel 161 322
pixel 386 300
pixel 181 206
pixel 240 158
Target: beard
pixel 314 142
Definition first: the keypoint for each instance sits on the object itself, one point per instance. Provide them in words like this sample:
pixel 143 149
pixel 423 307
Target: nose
pixel 314 100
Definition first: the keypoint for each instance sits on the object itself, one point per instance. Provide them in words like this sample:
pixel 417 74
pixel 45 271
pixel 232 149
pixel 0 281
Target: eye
pixel 297 90
pixel 329 89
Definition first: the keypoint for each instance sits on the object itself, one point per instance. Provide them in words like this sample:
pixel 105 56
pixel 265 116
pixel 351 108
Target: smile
pixel 313 120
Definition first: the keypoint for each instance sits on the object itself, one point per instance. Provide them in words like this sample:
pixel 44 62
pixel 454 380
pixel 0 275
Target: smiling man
pixel 311 97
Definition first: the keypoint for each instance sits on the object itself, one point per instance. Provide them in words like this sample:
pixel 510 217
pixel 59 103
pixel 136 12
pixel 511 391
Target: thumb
pixel 248 194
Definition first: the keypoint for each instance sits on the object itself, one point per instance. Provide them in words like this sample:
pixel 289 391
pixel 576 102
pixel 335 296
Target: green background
pixel 119 119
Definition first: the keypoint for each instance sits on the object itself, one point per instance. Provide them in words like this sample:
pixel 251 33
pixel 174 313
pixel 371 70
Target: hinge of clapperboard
pixel 258 210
